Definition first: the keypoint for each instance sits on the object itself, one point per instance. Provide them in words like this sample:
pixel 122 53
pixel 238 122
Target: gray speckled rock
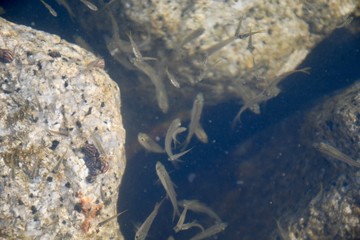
pixel 288 30
pixel 337 121
pixel 61 139
pixel 334 212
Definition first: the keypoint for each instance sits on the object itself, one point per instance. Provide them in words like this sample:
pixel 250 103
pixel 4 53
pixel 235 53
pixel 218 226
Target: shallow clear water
pixel 214 173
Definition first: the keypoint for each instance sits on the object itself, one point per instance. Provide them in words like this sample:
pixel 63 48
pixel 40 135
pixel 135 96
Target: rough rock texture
pixel 288 30
pixel 337 121
pixel 61 139
pixel 334 213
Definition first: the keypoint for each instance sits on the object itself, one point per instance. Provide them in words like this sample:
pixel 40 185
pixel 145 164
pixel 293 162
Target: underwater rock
pixel 337 121
pixel 195 42
pixel 61 139
pixel 286 31
pixel 334 212
pixel 282 186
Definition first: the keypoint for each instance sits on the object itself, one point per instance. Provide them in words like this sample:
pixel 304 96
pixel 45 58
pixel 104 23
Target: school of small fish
pixel 171 143
pixel 187 205
pixel 172 147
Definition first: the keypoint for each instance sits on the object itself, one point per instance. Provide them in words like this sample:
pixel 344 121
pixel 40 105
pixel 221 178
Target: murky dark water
pixel 244 187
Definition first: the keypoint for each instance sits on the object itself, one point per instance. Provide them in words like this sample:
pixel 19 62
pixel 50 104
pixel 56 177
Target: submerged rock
pixel 334 212
pixel 61 139
pixel 195 41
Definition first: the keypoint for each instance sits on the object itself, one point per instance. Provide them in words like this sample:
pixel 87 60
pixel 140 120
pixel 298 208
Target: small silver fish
pixel 176 156
pixel 187 226
pixel 214 229
pixel 347 20
pixel 216 47
pixel 135 48
pixel 175 124
pixel 51 10
pixel 191 36
pixel 195 117
pixel 149 144
pixel 177 132
pixel 250 45
pixel 201 134
pixel 161 95
pixel 142 232
pixel 181 221
pixel 60 161
pixel 181 226
pixel 102 223
pixel 196 206
pixel 252 104
pixel 172 79
pixel 272 89
pixel 90 5
pixel 168 186
pixel 12 164
pixel 333 152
